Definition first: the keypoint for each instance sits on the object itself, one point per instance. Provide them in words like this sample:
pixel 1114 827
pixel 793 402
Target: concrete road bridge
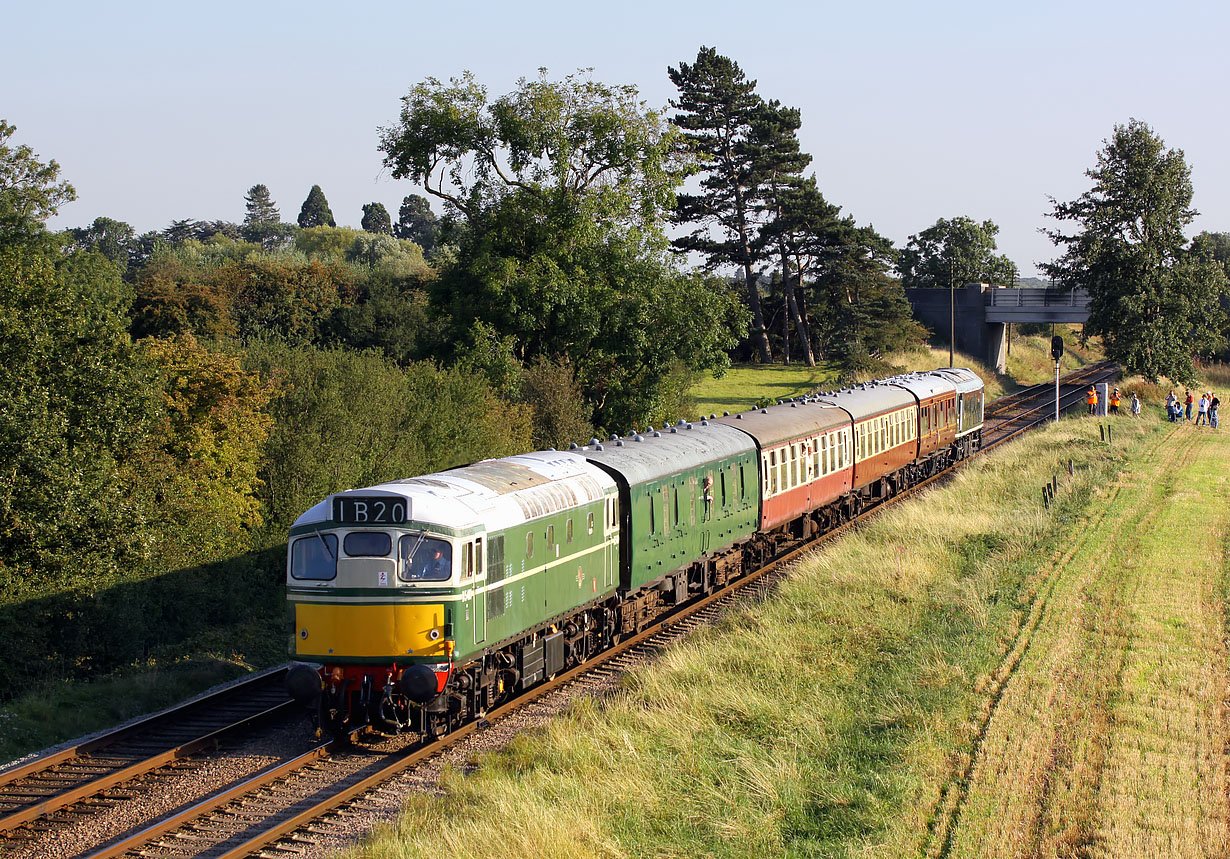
pixel 983 313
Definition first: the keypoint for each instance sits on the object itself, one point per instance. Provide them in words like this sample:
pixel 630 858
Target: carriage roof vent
pixel 674 429
pixel 598 447
pixel 637 437
pixel 681 423
pixel 703 422
pixel 689 426
pixel 764 411
pixel 573 446
pixel 657 435
pixel 619 442
pixel 593 441
pixel 613 437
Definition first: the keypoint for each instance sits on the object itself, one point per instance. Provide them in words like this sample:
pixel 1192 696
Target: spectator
pixel 1135 406
pixel 1213 404
pixel 1187 402
pixel 1202 409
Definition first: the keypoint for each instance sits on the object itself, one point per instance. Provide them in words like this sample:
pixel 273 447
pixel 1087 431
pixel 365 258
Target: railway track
pixel 284 800
pixel 75 780
pixel 1009 416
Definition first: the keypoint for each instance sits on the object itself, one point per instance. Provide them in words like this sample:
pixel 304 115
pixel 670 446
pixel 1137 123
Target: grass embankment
pixel 944 682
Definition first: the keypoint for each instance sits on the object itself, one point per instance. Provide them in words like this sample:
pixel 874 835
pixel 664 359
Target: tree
pixel 1153 301
pixel 262 222
pixel 564 188
pixel 718 108
pixel 115 240
pixel 30 191
pixel 774 135
pixel 376 219
pixel 75 408
pixel 260 208
pixel 418 223
pixel 954 252
pixel 315 211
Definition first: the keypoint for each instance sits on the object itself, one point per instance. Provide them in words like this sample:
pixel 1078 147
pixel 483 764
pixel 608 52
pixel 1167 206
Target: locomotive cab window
pixel 314 557
pixel 425 559
pixel 367 544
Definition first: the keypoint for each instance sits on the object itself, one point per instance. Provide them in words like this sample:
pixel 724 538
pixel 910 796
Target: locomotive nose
pixel 418 683
pixel 304 684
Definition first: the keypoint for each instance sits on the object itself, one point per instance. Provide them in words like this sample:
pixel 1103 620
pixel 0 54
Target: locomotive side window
pixel 495 563
pixel 550 537
pixel 425 559
pixel 568 534
pixel 478 556
pixel 314 557
pixel 529 545
pixel 367 544
pixel 589 523
pixel 467 561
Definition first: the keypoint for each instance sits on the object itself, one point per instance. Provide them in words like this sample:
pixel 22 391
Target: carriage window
pixel 653 515
pixel 722 478
pixel 367 544
pixel 314 557
pixel 773 472
pixel 425 559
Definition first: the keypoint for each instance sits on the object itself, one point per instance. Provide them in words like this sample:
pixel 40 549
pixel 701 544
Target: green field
pixel 971 675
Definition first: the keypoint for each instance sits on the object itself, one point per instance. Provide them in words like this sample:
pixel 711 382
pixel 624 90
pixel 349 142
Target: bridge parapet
pixel 1011 304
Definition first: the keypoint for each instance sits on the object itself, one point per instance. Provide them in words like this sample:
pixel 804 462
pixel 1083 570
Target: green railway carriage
pixel 687 493
pixel 418 577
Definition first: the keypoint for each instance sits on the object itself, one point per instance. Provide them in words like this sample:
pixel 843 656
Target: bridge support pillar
pixel 996 338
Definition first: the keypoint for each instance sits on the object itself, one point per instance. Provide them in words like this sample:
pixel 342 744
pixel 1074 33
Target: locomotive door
pixel 478 589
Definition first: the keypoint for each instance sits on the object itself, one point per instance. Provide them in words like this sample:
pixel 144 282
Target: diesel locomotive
pixel 423 603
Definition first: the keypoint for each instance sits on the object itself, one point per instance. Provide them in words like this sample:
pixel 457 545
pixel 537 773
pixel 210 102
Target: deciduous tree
pixel 30 191
pixel 954 251
pixel 1153 301
pixel 564 188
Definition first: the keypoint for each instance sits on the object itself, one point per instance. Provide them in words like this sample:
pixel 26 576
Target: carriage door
pixel 474 576
pixel 610 540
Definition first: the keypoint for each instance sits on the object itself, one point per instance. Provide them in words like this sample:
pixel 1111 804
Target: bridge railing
pixel 1025 297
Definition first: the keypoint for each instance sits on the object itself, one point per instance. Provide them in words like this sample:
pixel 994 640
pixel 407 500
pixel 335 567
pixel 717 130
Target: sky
pixel 911 111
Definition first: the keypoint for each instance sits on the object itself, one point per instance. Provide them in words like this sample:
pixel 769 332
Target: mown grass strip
pixel 825 721
pixel 1109 737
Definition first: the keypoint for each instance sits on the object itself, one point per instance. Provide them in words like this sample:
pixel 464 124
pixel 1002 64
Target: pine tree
pixel 775 135
pixel 376 219
pixel 315 211
pixel 260 207
pixel 717 108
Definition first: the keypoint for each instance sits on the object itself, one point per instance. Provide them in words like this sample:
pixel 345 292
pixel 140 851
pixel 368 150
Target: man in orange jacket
pixel 1092 396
